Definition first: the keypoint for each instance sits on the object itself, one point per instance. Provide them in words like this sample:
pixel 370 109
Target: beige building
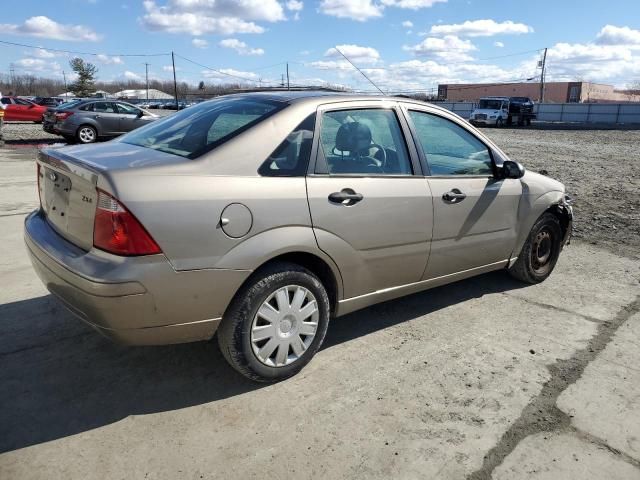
pixel 554 92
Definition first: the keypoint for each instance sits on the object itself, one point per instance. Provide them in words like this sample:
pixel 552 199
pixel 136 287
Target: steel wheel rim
pixel 284 326
pixel 541 252
pixel 86 134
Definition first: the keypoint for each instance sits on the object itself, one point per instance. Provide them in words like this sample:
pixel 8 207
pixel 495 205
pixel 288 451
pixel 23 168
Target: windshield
pixel 199 129
pixel 490 104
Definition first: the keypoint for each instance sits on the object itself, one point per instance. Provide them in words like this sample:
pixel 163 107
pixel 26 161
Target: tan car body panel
pixel 400 239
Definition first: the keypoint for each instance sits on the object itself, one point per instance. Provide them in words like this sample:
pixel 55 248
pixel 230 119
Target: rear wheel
pixel 540 251
pixel 86 134
pixel 276 324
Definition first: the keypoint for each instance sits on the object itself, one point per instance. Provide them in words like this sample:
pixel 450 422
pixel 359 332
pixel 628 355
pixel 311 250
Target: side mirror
pixel 140 113
pixel 511 169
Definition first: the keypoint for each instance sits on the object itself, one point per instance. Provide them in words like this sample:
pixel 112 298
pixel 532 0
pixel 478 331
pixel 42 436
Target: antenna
pixel 361 72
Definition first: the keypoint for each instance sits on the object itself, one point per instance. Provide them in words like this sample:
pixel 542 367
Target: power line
pixel 363 74
pixel 247 79
pixel 85 53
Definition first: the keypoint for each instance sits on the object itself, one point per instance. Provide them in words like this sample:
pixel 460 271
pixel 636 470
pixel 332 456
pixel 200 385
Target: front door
pixel 475 214
pixel 131 117
pixel 371 213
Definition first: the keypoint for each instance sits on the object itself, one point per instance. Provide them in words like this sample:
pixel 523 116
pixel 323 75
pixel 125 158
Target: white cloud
pixel 107 60
pixel 240 47
pixel 200 43
pixel 43 53
pixel 294 5
pixel 359 10
pixel 363 10
pixel 407 24
pixel 498 44
pixel 356 53
pixel 128 75
pixel 481 28
pixel 411 4
pixel 612 35
pixel 44 27
pixel 449 47
pixel 198 17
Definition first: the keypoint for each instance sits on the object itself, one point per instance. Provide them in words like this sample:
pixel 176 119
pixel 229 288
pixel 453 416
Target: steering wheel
pixel 384 153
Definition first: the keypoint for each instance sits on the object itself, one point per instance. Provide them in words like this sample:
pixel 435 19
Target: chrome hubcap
pixel 285 326
pixel 86 135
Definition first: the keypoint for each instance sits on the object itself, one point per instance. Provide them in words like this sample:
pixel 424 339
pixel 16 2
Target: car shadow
pixel 60 378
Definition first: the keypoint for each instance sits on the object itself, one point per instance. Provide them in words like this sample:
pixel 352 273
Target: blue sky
pixel 403 45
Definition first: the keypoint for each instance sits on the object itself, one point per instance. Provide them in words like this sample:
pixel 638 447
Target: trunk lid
pixel 68 178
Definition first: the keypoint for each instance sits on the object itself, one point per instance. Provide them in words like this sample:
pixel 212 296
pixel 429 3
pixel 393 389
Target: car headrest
pixel 353 137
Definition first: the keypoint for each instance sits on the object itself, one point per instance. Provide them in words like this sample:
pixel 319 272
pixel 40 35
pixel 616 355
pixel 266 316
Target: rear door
pixel 475 213
pixel 108 119
pixel 370 207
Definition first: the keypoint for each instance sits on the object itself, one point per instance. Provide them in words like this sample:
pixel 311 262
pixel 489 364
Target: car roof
pixel 319 97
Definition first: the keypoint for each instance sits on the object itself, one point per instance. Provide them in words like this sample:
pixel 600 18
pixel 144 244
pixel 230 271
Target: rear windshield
pixel 199 129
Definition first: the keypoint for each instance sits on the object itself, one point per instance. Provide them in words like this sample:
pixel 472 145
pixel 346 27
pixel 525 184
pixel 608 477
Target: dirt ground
pixel 601 171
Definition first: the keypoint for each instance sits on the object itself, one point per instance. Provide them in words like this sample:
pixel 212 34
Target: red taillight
pixel 117 231
pixel 63 115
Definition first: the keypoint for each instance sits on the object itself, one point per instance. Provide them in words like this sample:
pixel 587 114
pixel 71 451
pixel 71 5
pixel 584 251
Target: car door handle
pixel 454 196
pixel 346 197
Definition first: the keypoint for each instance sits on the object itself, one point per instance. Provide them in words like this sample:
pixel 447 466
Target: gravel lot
pixel 482 379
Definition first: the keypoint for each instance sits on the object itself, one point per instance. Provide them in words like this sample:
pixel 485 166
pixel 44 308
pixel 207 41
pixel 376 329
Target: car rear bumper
pixel 132 300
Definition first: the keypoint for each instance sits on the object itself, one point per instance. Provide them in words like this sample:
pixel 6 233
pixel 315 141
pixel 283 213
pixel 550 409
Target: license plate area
pixel 57 189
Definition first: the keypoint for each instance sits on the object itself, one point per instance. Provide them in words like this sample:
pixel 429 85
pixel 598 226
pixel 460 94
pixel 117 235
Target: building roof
pixel 154 94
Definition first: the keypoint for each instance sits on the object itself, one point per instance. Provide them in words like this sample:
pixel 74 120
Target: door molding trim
pixel 349 305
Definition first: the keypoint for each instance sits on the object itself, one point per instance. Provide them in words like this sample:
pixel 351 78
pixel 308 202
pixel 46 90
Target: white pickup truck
pixel 500 111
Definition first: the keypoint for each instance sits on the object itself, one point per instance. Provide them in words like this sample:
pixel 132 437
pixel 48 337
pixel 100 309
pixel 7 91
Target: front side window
pixel 291 158
pixel 449 148
pixel 127 109
pixel 365 142
pixel 196 130
pixel 490 104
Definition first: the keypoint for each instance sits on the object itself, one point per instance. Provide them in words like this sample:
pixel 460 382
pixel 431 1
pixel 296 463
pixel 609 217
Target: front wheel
pixel 499 123
pixel 540 251
pixel 276 324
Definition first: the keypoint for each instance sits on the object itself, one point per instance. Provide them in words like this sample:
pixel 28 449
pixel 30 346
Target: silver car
pixel 86 121
pixel 262 216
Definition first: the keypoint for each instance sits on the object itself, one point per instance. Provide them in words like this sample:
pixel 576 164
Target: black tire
pixel 89 137
pixel 540 251
pixel 69 138
pixel 234 332
pixel 528 122
pixel 499 123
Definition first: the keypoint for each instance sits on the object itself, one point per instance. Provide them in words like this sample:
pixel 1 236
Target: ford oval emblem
pixel 53 176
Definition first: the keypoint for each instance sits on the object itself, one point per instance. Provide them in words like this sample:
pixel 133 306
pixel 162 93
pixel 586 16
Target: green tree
pixel 84 85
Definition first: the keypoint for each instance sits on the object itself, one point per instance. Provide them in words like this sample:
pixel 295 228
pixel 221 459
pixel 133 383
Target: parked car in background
pixel 261 216
pixel 500 111
pixel 48 101
pixel 86 121
pixel 21 110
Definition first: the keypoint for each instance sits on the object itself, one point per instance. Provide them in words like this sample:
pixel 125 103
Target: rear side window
pixel 291 158
pixel 87 108
pixel 199 129
pixel 104 107
pixel 449 148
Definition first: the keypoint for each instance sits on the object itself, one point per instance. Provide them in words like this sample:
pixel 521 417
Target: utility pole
pixel 175 83
pixel 146 75
pixel 64 78
pixel 288 88
pixel 544 64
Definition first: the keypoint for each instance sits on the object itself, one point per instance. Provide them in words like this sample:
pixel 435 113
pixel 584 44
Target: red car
pixel 21 110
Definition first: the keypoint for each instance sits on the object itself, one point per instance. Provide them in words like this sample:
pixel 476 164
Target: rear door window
pixel 104 107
